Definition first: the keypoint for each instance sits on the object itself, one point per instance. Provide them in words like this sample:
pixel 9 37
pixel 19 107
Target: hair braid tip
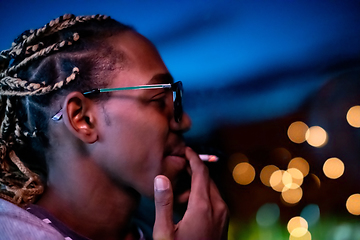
pixel 32 187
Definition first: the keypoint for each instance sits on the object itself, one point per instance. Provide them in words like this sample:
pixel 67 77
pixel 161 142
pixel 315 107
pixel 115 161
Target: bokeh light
pixel 244 173
pixel 301 164
pixel 266 173
pixel 306 236
pixel 296 132
pixel 282 181
pixel 297 177
pixel 343 231
pixel 353 204
pixel 333 168
pixel 292 196
pixel 276 182
pixel 268 214
pixel 297 226
pixel 316 136
pixel 287 179
pixel 353 116
pixel 311 213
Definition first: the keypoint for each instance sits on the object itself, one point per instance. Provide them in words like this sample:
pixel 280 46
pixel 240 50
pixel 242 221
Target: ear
pixel 80 118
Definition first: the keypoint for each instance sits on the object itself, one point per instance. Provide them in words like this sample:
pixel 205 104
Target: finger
pixel 196 164
pixel 199 197
pixel 218 204
pixel 164 226
pixel 199 172
pixel 220 210
pixel 193 158
pixel 183 197
pixel 214 192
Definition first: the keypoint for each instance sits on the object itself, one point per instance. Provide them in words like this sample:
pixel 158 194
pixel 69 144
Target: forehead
pixel 143 61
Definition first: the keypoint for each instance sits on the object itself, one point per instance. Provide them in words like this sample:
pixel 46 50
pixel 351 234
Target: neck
pixel 85 199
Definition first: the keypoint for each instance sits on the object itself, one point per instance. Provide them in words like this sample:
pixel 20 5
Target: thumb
pixel 164 225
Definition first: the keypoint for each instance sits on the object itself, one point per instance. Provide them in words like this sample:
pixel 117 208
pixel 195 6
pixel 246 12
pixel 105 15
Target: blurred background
pixel 272 87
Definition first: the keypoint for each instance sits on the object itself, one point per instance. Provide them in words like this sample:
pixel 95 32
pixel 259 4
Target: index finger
pixel 200 180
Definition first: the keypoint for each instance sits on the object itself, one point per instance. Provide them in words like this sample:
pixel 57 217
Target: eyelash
pixel 160 100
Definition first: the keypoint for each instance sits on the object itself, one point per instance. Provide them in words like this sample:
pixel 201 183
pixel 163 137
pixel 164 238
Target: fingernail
pixel 161 184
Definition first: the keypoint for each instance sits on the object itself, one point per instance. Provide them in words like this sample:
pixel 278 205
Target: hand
pixel 206 217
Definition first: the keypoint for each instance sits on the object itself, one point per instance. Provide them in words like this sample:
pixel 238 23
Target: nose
pixel 183 125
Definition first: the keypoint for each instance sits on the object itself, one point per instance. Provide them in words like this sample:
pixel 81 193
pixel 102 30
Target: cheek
pixel 142 125
pixel 135 146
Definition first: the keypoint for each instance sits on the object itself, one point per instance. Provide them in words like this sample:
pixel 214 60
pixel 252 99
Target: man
pixel 106 149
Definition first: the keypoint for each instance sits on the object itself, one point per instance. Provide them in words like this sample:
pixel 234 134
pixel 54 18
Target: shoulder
pixel 17 223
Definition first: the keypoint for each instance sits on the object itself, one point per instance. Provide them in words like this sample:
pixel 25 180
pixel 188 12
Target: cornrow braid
pixel 8 119
pixel 53 26
pixel 41 53
pixel 16 87
pixel 4 60
pixel 41 66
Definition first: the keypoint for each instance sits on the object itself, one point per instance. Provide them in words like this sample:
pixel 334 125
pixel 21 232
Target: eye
pixel 160 100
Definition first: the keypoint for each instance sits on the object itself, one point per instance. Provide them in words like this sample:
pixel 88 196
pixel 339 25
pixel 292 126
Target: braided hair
pixel 69 53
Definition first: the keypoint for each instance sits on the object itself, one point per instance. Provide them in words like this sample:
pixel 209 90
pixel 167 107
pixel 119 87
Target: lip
pixel 176 159
pixel 178 151
pixel 174 154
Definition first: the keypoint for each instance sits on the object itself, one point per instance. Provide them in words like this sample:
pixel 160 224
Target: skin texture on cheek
pixel 133 144
pixel 105 115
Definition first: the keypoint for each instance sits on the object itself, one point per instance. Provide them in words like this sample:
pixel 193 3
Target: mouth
pixel 175 162
pixel 175 169
pixel 176 152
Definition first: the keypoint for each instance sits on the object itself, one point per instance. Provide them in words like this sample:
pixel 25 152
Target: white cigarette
pixel 208 158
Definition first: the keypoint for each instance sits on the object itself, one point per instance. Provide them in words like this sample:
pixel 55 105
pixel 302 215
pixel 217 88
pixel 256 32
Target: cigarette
pixel 208 158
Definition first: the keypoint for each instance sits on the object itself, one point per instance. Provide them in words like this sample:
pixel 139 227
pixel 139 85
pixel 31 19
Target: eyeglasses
pixel 177 89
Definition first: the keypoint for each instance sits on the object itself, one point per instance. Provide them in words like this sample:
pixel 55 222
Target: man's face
pixel 139 137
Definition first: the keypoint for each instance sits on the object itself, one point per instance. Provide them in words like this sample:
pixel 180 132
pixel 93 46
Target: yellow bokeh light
pixel 287 179
pixel 306 236
pixel 296 176
pixel 244 173
pixel 353 116
pixel 299 232
pixel 296 222
pixel 296 132
pixel 301 164
pixel 266 173
pixel 333 168
pixel 353 204
pixel 292 196
pixel 276 182
pixel 316 136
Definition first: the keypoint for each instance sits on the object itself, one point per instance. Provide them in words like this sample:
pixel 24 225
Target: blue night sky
pixel 240 61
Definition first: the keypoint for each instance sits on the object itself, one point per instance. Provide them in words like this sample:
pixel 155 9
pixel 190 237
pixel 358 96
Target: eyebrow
pixel 161 78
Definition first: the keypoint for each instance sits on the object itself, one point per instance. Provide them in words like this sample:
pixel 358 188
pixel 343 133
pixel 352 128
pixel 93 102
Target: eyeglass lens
pixel 178 108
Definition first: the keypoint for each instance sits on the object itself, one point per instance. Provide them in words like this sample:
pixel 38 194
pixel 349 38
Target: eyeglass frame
pixel 176 87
